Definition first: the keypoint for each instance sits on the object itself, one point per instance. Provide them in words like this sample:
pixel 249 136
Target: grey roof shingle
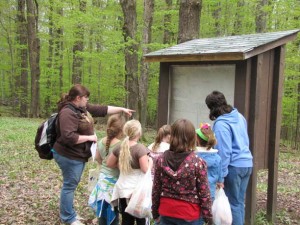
pixel 237 46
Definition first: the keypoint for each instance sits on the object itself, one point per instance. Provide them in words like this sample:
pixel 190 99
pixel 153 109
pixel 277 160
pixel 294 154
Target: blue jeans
pixel 165 220
pixel 71 171
pixel 235 186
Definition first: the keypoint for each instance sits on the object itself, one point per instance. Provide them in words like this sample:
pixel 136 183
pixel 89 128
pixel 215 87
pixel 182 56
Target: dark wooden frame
pixel 257 95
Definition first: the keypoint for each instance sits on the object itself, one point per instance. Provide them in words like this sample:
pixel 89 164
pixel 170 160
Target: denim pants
pixel 165 220
pixel 71 171
pixel 235 186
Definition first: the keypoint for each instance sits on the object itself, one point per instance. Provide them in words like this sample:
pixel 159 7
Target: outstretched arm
pixel 115 109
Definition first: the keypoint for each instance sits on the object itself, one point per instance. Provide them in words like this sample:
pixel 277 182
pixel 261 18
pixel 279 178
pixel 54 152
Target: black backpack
pixel 46 136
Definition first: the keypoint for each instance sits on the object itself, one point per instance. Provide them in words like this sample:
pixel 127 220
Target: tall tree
pixel 143 81
pixel 189 20
pixel 261 16
pixel 131 52
pixel 49 70
pixel 167 23
pixel 23 51
pixel 217 17
pixel 34 55
pixel 78 48
pixel 8 33
pixel 58 47
pixel 297 135
pixel 239 17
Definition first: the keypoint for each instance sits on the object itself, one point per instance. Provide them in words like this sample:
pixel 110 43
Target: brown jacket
pixel 72 122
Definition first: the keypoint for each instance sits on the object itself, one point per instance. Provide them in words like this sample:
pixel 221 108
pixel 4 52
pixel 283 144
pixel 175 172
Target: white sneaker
pixel 79 217
pixel 77 222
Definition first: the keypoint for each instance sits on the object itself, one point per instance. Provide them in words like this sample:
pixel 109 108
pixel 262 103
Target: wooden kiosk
pixel 248 69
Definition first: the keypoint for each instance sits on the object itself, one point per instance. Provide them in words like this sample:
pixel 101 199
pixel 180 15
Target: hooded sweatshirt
pixel 232 141
pixel 71 124
pixel 181 176
pixel 214 167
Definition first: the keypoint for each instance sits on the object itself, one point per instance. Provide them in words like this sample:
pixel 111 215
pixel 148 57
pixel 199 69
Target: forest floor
pixel 288 189
pixel 30 187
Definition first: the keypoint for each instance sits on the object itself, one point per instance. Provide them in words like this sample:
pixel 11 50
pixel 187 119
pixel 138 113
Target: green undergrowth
pixel 30 187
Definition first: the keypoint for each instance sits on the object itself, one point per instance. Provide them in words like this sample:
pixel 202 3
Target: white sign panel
pixel 190 85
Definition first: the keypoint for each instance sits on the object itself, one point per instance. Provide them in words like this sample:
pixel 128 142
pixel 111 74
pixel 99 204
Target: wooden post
pixel 163 95
pixel 253 124
pixel 275 132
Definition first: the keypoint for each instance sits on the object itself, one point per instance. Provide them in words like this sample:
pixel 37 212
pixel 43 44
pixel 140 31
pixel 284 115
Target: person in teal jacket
pixel 230 128
pixel 205 142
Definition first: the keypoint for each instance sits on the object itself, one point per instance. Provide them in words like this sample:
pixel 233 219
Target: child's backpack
pixel 46 136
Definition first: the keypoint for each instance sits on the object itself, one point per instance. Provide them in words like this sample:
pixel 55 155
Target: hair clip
pixel 204 126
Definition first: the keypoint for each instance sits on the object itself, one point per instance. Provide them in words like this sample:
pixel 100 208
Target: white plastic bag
pixel 140 202
pixel 221 210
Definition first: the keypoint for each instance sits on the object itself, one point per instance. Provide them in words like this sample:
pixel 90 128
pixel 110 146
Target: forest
pixel 48 45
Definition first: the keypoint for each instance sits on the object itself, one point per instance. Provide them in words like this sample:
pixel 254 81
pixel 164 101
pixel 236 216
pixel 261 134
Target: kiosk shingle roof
pixel 222 48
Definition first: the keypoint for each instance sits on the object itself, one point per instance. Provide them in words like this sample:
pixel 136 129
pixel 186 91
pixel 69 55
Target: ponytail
pixel 131 129
pixel 125 157
pixel 115 124
pixel 163 132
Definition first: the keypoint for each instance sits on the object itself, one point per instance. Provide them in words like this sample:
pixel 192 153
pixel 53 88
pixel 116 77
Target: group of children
pixel 123 160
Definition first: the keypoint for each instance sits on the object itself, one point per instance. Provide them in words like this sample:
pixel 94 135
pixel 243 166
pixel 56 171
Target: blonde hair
pixel 131 130
pixel 163 132
pixel 211 139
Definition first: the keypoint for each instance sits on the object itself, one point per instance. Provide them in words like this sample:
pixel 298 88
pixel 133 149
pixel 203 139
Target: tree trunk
pixel 168 34
pixel 217 16
pixel 101 5
pixel 22 33
pixel 50 69
pixel 131 54
pixel 14 81
pixel 189 20
pixel 297 133
pixel 261 16
pixel 58 51
pixel 77 48
pixel 239 17
pixel 34 56
pixel 143 82
pixel 297 71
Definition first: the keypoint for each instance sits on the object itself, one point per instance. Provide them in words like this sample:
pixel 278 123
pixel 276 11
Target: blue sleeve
pixel 224 145
pixel 220 177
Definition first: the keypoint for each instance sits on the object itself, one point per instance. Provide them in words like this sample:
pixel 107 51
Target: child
pixel 205 141
pixel 100 197
pixel 180 190
pixel 161 144
pixel 133 160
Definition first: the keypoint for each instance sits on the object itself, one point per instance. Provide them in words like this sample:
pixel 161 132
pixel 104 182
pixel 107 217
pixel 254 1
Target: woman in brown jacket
pixel 75 129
